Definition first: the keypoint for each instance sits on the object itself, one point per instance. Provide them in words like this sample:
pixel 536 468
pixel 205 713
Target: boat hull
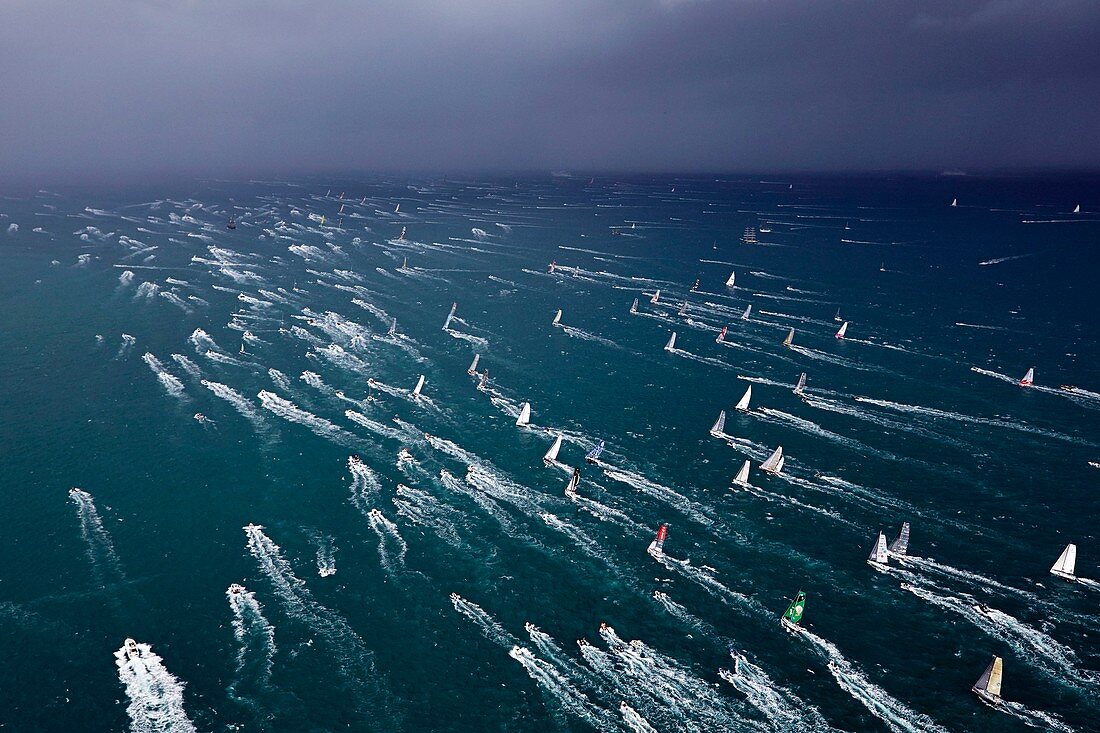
pixel 789 627
pixel 991 700
pixel 1068 577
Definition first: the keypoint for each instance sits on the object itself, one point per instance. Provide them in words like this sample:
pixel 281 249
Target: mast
pixel 1064 565
pixel 419 386
pixel 447 323
pixel 743 403
pixel 524 415
pixel 719 425
pixel 843 330
pixel 988 686
pixel 900 545
pixel 878 554
pixel 837 316
pixel 557 318
pixel 671 342
pixel 1077 209
pixel 552 454
pixel 657 546
pixel 401 237
pixel 774 464
pixel 790 339
pixel 473 365
pixel 742 477
pixel 801 386
pixel 1029 378
pixel 721 336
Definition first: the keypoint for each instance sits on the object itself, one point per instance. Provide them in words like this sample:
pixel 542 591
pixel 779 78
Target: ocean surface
pixel 125 311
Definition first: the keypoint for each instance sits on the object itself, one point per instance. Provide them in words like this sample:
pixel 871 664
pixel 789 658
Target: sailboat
pixel 721 336
pixel 1063 566
pixel 801 386
pixel 393 329
pixel 683 309
pixel 900 545
pixel 243 352
pixel 524 415
pixel 593 456
pixel 743 403
pixel 954 202
pixel 419 386
pixel 749 237
pixel 719 425
pixel 837 316
pixel 879 557
pixel 401 236
pixel 557 318
pixel 730 279
pixel 656 296
pixel 473 365
pixel 483 381
pixel 397 209
pixel 695 286
pixel 774 464
pixel 790 339
pixel 671 342
pixel 793 615
pixel 1077 209
pixel 574 481
pixel 447 323
pixel 843 330
pixel 634 306
pixel 1029 378
pixel 748 310
pixel 551 456
pixel 988 686
pixel 657 546
pixel 742 477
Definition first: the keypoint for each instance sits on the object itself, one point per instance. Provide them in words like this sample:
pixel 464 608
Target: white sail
pixel 1029 378
pixel 447 323
pixel 393 328
pixel 557 318
pixel 748 310
pixel 656 296
pixel 730 279
pixel 742 477
pixel 843 330
pixel 524 415
pixel 473 364
pixel 671 342
pixel 552 454
pixel 404 263
pixel 900 545
pixel 634 307
pixel 878 554
pixel 790 338
pixel 1064 566
pixel 419 386
pixel 779 466
pixel 954 202
pixel 837 316
pixel 397 209
pixel 683 309
pixel 801 386
pixel 719 424
pixel 774 464
pixel 743 403
pixel 1077 209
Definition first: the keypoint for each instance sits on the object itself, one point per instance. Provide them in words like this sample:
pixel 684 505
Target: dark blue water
pixel 916 417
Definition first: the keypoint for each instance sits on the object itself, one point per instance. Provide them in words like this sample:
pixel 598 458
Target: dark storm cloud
pixel 244 86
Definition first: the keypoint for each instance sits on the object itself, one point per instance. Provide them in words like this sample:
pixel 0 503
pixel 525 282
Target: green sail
pixel 794 611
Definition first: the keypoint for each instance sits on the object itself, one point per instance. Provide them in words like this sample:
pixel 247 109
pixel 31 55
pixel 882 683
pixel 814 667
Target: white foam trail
pixel 326 553
pixel 97 541
pixel 256 651
pixel 838 360
pixel 487 504
pixel 812 428
pixel 239 402
pixel 587 336
pixel 175 300
pixel 202 342
pixel 707 581
pixel 126 346
pixel 420 507
pixel 558 687
pixel 608 514
pixel 634 721
pixel 388 535
pixel 668 495
pixel 475 340
pixel 146 291
pixel 365 485
pixel 929 565
pixel 996 375
pixel 891 711
pixel 125 279
pixel 1034 718
pixel 156 696
pixel 188 366
pixel 373 425
pixel 318 425
pixel 579 538
pixel 490 628
pixel 170 382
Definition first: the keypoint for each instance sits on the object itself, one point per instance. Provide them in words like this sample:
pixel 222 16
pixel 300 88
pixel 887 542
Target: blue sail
pixel 594 454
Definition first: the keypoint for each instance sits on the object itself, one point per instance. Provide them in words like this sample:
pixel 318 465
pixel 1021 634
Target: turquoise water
pixel 896 426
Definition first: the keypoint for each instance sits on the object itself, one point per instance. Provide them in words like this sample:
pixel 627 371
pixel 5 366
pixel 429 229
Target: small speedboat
pixel 236 589
pixel 231 224
pixel 403 456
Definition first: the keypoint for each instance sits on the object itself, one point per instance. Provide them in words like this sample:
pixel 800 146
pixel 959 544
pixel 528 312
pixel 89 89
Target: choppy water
pixel 125 313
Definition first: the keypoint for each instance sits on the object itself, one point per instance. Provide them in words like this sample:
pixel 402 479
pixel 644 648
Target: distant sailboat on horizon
pixel 954 202
pixel 1077 209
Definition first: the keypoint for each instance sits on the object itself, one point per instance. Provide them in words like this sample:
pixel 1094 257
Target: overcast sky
pixel 253 87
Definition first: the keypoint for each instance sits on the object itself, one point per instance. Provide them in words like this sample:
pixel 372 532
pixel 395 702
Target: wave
pixel 365 485
pixel 670 496
pixel 156 696
pixel 125 347
pixel 188 366
pixel 255 656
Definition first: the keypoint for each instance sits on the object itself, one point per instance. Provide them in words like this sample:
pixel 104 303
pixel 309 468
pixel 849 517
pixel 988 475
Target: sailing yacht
pixel 1029 378
pixel 721 336
pixel 232 224
pixel 473 365
pixel 1063 566
pixel 774 464
pixel 719 425
pixel 419 386
pixel 593 456
pixel 793 615
pixel 790 339
pixel 749 237
pixel 656 296
pixel 837 316
pixel 574 481
pixel 524 418
pixel 742 477
pixel 879 558
pixel 900 546
pixel 235 589
pixel 447 323
pixel 843 330
pixel 1077 209
pixel 748 310
pixel 557 318
pixel 683 309
pixel 657 546
pixel 743 403
pixel 634 307
pixel 671 342
pixel 954 202
pixel 551 456
pixel 393 329
pixel 988 686
pixel 800 388
pixel 401 236
pixel 730 279
pixel 695 287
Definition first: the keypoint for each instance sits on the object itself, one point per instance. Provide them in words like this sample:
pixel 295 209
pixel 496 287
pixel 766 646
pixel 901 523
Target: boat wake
pixel 670 496
pixel 421 508
pixel 106 567
pixel 318 425
pixel 171 383
pixel 256 650
pixel 156 696
pixel 391 545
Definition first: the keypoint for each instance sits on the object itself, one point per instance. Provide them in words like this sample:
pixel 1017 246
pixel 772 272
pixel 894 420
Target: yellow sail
pixel 994 685
pixel 790 338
